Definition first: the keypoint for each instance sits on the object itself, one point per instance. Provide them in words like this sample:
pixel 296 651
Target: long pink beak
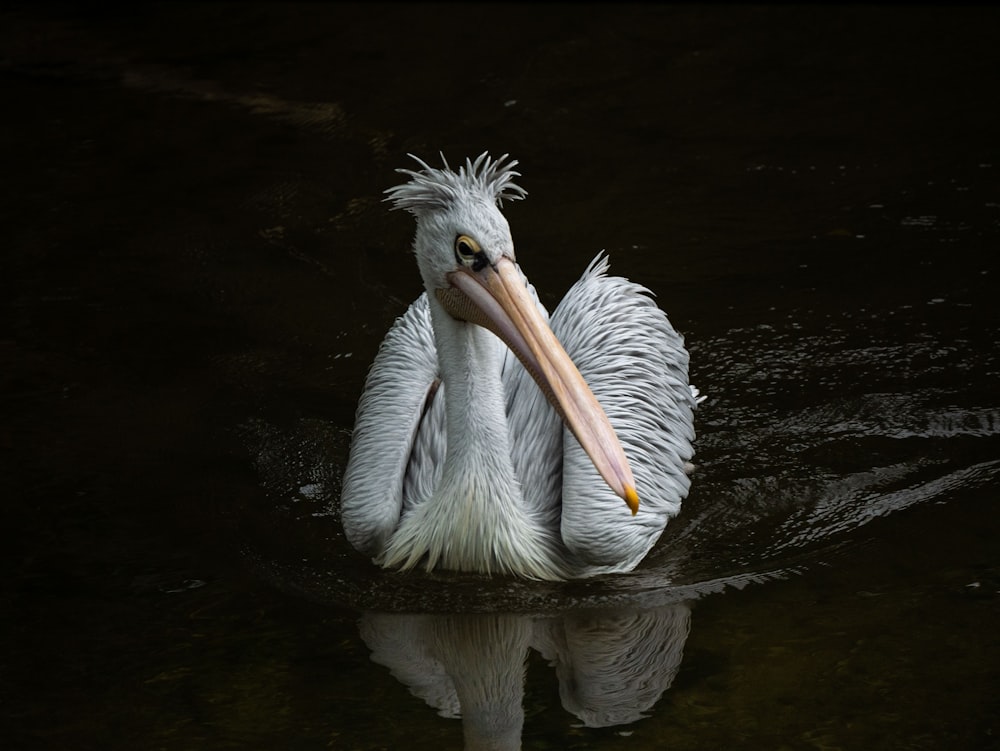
pixel 498 299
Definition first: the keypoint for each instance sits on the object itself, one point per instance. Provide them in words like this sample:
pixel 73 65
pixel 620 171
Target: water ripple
pixel 805 439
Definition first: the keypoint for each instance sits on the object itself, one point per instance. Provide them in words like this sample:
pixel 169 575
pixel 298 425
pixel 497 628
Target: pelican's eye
pixel 468 253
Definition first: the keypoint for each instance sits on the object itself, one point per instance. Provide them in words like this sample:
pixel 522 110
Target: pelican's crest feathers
pixel 431 189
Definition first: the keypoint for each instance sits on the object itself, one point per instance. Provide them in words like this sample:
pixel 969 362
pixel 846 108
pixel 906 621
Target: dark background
pixel 198 269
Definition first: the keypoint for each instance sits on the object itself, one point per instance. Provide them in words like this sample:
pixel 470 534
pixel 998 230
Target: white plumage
pixel 462 458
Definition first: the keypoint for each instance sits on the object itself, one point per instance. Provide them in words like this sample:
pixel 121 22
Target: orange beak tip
pixel 632 499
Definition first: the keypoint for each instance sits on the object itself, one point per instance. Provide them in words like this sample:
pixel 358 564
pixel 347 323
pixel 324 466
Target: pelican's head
pixel 459 223
pixel 466 257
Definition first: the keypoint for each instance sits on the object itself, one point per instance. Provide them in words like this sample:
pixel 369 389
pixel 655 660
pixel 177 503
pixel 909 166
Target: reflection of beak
pixel 498 299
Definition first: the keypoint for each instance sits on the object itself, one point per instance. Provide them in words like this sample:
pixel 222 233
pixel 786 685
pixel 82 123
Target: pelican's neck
pixel 475 518
pixel 470 359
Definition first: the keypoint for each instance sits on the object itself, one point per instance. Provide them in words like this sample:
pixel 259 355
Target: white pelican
pixel 459 461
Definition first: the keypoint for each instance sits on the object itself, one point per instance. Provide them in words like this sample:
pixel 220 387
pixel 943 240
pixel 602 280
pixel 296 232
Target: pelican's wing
pixel 398 438
pixel 636 365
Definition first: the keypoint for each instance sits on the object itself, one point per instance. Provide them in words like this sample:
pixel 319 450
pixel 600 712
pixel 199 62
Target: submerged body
pixel 476 453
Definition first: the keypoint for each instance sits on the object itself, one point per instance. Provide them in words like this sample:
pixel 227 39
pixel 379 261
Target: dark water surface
pixel 198 270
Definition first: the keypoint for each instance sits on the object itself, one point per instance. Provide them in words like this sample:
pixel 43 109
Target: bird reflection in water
pixel 612 667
